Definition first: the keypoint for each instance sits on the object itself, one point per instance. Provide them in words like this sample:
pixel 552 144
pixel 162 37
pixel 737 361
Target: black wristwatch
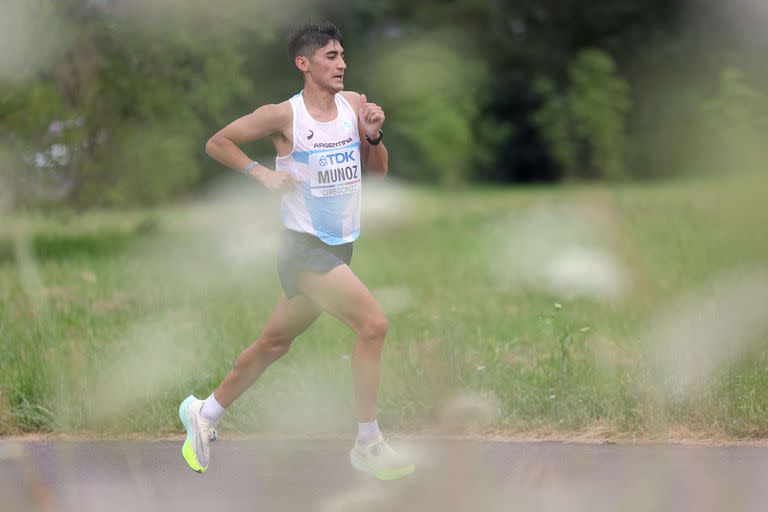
pixel 376 141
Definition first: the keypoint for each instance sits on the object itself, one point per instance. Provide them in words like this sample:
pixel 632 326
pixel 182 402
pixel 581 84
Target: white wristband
pixel 249 169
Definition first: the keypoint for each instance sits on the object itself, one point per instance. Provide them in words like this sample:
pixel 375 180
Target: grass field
pixel 634 310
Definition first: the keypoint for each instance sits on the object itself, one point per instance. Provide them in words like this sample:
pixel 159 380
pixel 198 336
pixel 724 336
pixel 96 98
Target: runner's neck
pixel 321 104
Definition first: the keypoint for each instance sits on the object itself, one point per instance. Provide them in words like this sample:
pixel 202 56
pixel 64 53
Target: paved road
pixel 309 476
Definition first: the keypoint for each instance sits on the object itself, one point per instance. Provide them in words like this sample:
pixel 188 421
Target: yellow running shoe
pixel 379 459
pixel 200 434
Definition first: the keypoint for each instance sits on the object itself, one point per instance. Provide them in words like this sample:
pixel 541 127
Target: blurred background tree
pixel 584 126
pixel 733 119
pixel 110 102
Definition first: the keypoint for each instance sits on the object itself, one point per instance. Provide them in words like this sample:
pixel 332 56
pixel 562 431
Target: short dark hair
pixel 308 38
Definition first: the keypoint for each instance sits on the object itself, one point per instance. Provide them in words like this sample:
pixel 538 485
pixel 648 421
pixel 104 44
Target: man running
pixel 322 135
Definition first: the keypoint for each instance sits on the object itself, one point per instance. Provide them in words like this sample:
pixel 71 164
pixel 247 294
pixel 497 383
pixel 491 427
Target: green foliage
pixel 431 111
pixel 584 126
pixel 33 36
pixel 731 124
pixel 130 97
pixel 700 123
pixel 29 108
pixel 159 90
pixel 146 167
pixel 734 100
pixel 456 81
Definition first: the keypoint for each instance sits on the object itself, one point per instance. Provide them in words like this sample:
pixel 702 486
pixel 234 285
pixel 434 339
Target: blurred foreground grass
pixel 527 309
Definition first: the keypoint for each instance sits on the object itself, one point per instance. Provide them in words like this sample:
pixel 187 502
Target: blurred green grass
pixel 108 320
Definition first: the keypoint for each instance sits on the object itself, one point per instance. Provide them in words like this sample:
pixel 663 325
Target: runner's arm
pixel 265 121
pixel 375 158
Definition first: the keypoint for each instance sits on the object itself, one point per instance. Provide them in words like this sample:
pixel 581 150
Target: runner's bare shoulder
pixel 353 98
pixel 265 121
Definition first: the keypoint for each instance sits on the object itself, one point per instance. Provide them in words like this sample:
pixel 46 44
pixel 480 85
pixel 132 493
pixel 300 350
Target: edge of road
pixel 685 438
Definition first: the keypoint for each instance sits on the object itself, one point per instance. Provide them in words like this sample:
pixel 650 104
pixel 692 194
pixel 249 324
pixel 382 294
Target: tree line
pixel 110 102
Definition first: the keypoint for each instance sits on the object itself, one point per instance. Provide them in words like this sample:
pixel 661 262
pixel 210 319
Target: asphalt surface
pixel 259 475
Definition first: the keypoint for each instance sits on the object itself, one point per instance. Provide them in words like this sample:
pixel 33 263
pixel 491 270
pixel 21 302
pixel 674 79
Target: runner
pixel 323 137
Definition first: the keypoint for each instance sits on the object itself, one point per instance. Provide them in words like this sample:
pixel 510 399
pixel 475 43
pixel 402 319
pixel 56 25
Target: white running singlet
pixel 326 158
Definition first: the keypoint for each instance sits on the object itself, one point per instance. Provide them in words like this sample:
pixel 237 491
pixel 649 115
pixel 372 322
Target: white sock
pixel 368 431
pixel 211 410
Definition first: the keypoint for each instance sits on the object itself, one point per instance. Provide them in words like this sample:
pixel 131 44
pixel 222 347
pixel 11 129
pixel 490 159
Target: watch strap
pixel 376 141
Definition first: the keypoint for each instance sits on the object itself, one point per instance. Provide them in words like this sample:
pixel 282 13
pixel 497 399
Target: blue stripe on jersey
pixel 326 215
pixel 354 145
pixel 332 240
pixel 303 156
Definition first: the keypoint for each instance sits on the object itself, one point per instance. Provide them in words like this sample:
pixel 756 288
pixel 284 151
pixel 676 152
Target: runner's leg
pixel 342 294
pixel 291 318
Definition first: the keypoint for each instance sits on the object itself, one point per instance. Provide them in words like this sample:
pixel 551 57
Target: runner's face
pixel 327 66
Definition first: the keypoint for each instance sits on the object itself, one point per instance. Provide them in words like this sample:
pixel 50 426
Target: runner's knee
pixel 276 344
pixel 375 328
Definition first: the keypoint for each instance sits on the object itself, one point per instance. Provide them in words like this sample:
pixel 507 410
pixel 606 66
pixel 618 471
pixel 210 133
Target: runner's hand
pixel 279 181
pixel 371 117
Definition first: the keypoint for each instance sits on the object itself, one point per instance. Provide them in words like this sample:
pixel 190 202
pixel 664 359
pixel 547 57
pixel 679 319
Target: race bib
pixel 335 173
